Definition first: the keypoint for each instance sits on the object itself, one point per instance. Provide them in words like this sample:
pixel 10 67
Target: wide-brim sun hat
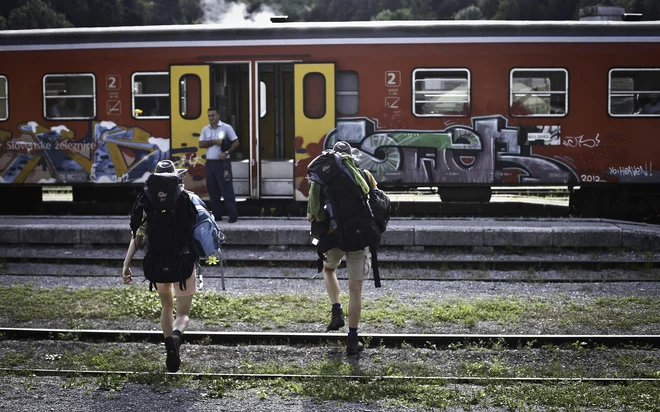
pixel 166 167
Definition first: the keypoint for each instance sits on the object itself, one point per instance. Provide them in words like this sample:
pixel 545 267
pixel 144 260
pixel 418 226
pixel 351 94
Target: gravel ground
pixel 47 394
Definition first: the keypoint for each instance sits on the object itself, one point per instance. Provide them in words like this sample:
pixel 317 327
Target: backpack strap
pixel 374 266
pixel 137 214
pixel 372 250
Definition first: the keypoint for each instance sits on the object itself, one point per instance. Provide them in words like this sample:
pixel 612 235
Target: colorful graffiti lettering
pixel 107 154
pixel 488 152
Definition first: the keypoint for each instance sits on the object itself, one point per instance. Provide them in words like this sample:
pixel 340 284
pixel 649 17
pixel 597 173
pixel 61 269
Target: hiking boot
pixel 172 344
pixel 232 220
pixel 353 345
pixel 337 320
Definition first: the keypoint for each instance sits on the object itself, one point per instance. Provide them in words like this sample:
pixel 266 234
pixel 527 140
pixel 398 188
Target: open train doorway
pixel 195 88
pixel 230 94
pixel 276 130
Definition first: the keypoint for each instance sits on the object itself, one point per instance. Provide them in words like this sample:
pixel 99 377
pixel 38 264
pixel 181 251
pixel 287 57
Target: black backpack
pixel 345 202
pixel 170 252
pixel 350 214
pixel 379 203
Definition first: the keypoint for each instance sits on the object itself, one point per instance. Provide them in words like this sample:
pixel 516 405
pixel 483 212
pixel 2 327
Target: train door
pixel 275 130
pixel 231 94
pixel 314 111
pixel 193 89
pixel 190 95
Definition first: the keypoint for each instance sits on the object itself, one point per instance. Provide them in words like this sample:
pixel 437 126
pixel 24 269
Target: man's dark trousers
pixel 220 185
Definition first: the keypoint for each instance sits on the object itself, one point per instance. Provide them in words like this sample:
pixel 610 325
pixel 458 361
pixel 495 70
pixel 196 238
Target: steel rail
pixel 438 278
pixel 267 376
pixel 374 339
pixel 403 263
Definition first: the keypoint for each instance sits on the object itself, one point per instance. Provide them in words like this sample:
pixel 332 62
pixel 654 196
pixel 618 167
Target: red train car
pixel 462 106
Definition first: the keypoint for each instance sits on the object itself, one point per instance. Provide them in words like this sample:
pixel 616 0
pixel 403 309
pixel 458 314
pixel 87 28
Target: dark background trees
pixel 26 14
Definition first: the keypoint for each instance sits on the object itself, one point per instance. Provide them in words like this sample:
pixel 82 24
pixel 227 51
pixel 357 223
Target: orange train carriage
pixel 462 106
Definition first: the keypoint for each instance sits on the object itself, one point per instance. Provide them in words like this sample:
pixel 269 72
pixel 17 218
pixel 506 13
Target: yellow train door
pixel 190 96
pixel 314 111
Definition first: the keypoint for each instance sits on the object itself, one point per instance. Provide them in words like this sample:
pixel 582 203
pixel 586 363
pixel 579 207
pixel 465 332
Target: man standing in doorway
pixel 219 140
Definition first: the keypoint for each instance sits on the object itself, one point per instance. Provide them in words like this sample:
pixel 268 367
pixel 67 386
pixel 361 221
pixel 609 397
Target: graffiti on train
pixel 107 154
pixel 487 152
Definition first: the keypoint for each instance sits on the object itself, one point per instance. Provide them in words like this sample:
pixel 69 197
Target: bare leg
pixel 331 284
pixel 183 305
pixel 167 308
pixel 354 302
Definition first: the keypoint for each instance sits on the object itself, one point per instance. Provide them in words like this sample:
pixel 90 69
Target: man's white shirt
pixel 222 131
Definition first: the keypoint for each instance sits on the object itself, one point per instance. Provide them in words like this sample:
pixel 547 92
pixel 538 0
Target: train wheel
pixel 479 194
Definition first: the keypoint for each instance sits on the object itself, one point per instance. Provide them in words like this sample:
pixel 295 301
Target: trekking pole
pixel 222 269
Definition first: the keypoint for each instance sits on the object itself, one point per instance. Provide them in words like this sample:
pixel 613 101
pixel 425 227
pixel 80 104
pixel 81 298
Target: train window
pixel 190 100
pixel 634 92
pixel 347 93
pixel 263 101
pixel 314 95
pixel 441 92
pixel 69 96
pixel 4 99
pixel 151 95
pixel 538 92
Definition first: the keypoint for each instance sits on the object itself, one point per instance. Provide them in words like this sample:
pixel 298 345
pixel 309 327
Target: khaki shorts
pixel 358 264
pixel 191 286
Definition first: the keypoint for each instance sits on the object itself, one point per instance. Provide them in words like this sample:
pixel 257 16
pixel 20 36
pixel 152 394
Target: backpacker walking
pixel 342 221
pixel 164 214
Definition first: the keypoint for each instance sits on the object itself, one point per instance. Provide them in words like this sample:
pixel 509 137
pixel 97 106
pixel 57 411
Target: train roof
pixel 371 32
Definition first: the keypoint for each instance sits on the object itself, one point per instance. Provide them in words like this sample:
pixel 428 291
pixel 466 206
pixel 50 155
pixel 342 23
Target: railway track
pixel 301 341
pixel 310 377
pixel 287 338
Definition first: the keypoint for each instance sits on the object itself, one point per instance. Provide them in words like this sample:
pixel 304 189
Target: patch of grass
pixel 469 312
pixel 16 360
pixel 576 396
pixel 272 311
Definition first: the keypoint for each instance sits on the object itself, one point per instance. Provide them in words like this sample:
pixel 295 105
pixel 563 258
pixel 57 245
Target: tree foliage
pixel 35 14
pixel 21 14
pixel 469 13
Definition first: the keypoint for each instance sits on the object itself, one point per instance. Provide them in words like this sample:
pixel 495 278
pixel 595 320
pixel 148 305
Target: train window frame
pixel 634 93
pixel 347 93
pixel 4 100
pixel 46 97
pixel 141 115
pixel 468 91
pixel 183 107
pixel 321 96
pixel 549 92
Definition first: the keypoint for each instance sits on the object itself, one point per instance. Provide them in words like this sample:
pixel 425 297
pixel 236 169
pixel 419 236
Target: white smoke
pixel 223 12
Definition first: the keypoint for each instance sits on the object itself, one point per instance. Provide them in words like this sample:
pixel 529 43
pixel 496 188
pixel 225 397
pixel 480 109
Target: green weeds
pixel 277 311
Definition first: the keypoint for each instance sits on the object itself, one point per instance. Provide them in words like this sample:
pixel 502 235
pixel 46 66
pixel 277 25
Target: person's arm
pixel 372 180
pixel 135 244
pixel 204 141
pixel 231 135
